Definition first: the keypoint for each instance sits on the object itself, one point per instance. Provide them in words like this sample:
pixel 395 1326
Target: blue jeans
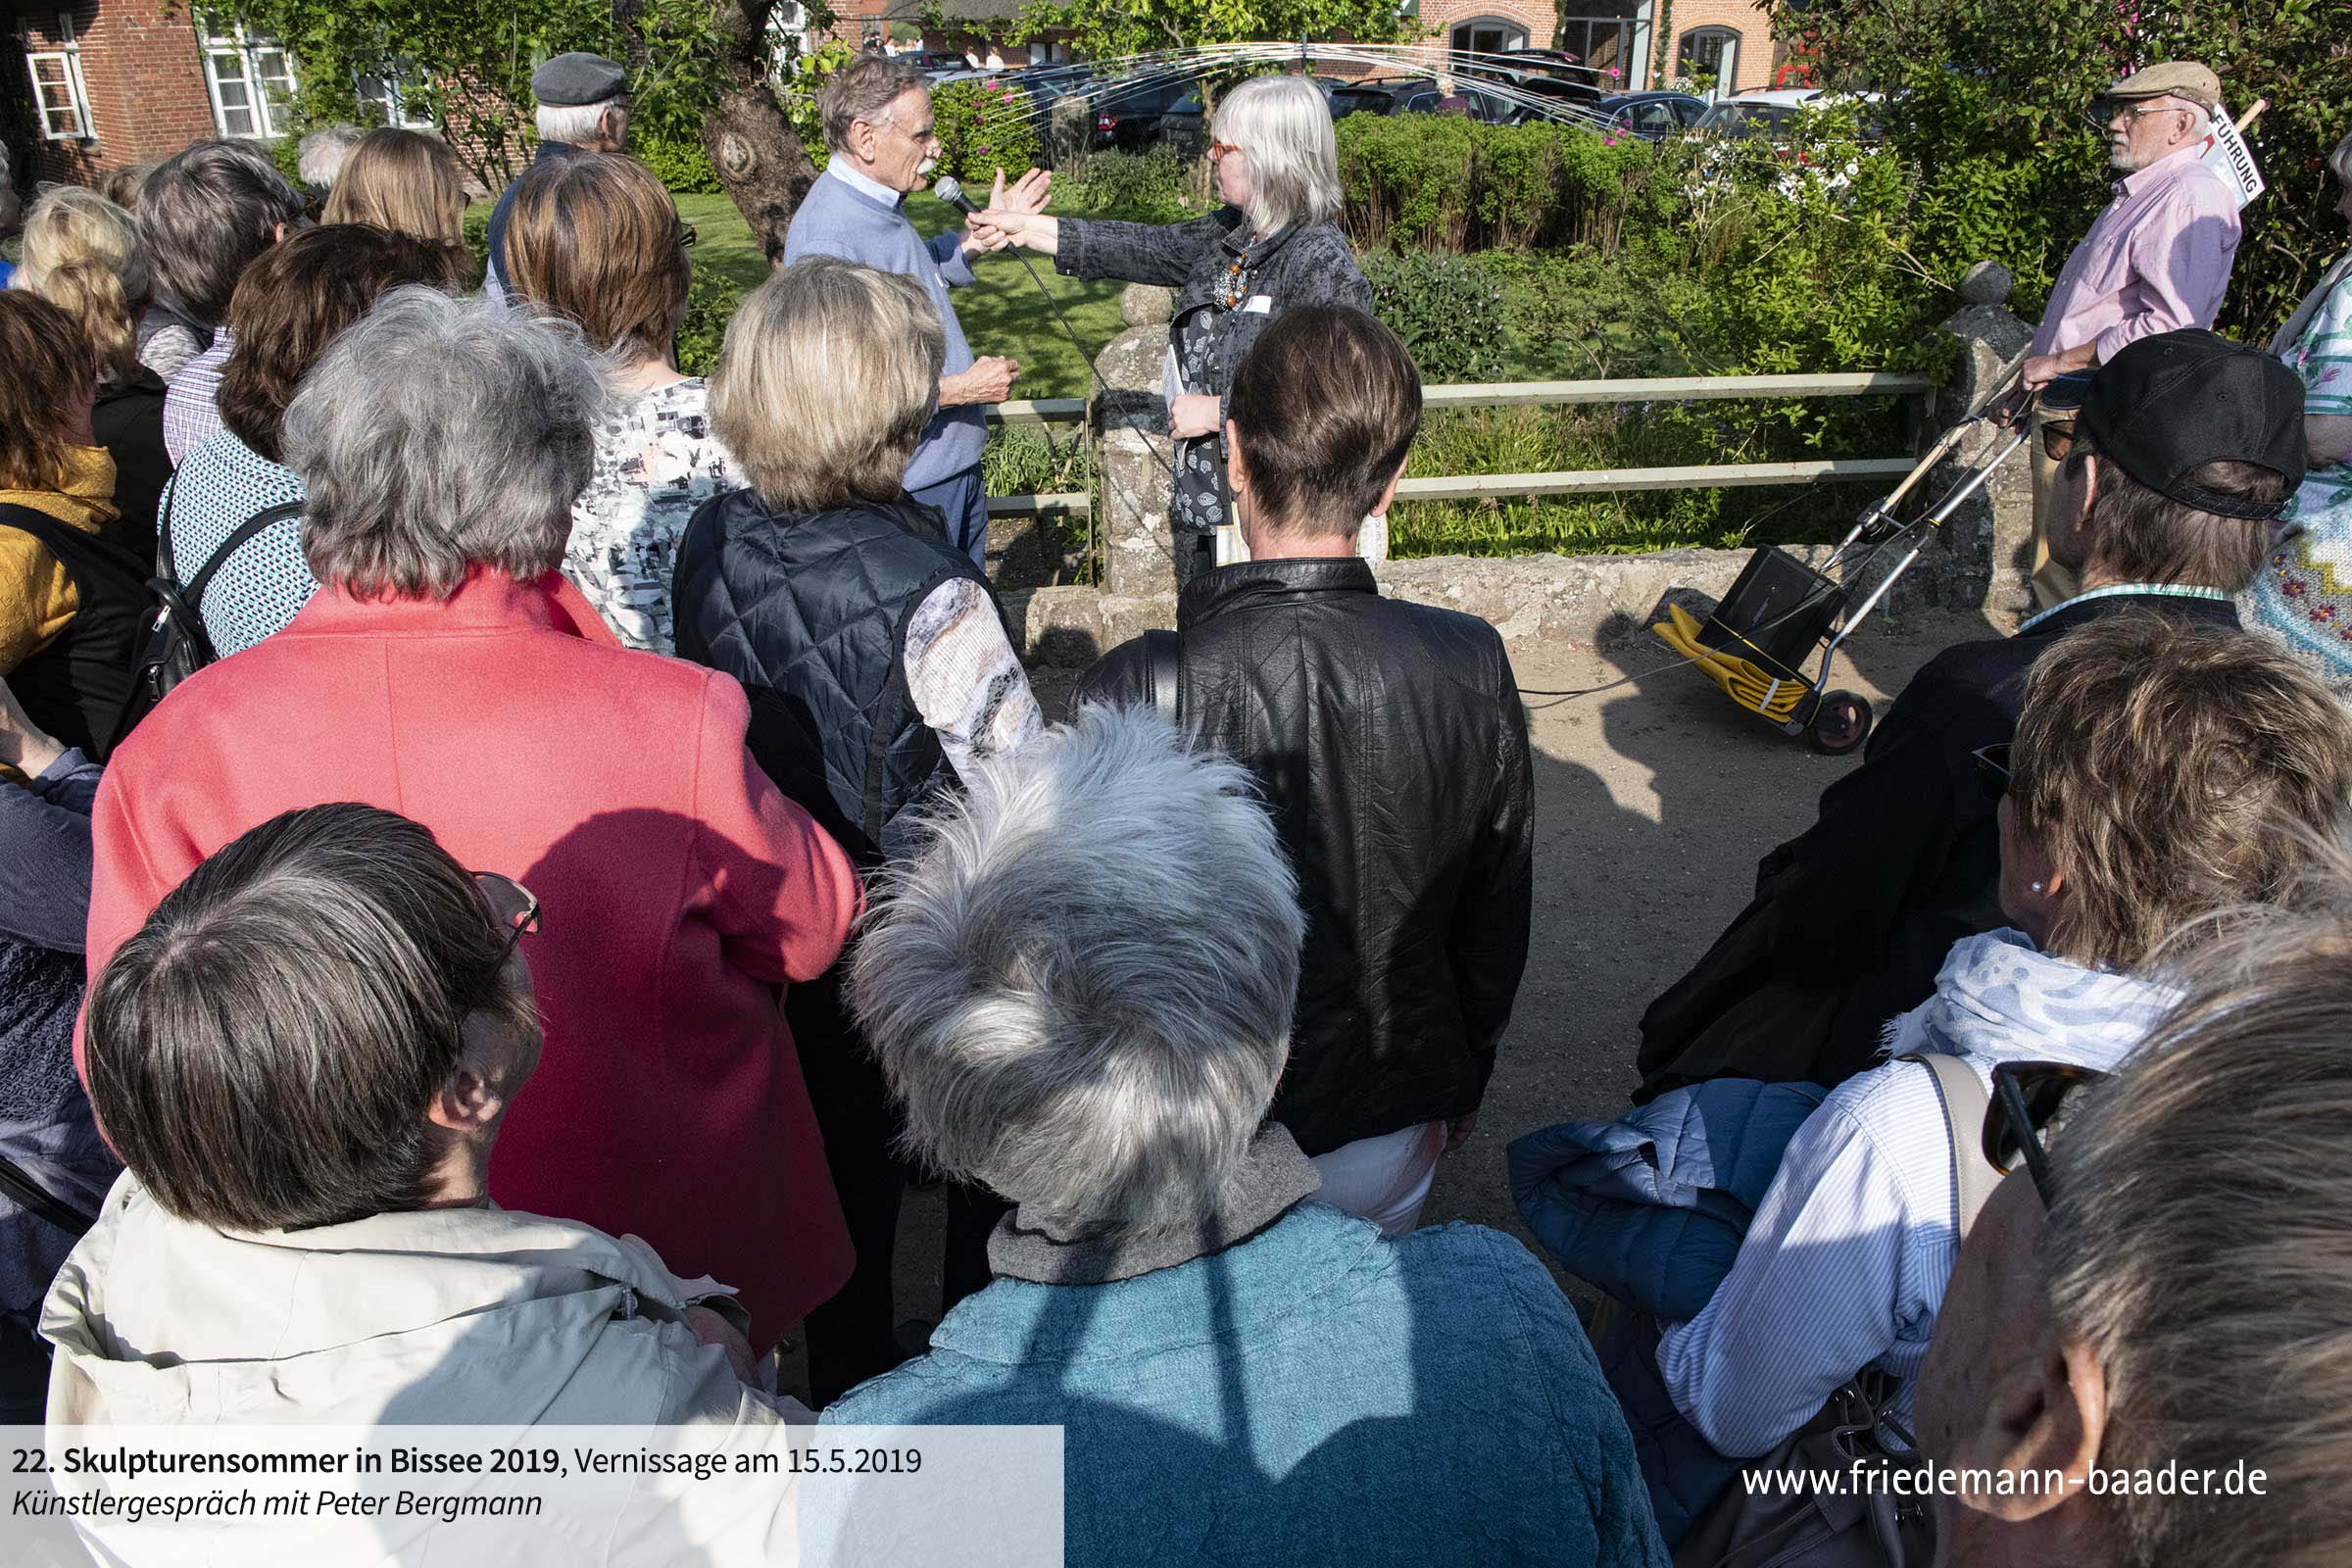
pixel 961 499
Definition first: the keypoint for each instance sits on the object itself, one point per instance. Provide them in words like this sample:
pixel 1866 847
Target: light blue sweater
pixel 837 218
pixel 1314 1395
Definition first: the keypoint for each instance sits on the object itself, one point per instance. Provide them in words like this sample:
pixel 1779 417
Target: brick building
pixel 114 81
pixel 1729 41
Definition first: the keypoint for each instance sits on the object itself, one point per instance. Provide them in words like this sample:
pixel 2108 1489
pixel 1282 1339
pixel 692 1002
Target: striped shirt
pixel 190 410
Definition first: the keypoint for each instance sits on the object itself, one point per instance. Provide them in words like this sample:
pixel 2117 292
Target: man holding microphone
pixel 2156 259
pixel 877 119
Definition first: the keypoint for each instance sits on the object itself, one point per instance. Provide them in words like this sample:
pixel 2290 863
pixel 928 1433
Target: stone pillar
pixel 1134 455
pixel 1986 540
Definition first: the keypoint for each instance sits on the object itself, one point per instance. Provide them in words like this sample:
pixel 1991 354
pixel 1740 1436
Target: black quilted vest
pixel 809 612
pixel 74 688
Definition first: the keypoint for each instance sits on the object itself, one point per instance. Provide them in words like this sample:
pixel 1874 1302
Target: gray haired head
pixel 437 435
pixel 205 213
pixel 1081 985
pixel 319 156
pixel 864 89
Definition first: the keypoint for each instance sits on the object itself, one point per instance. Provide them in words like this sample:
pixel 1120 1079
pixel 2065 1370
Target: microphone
pixel 949 190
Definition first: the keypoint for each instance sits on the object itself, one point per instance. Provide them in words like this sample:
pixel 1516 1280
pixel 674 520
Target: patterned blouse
pixel 656 462
pixel 223 483
pixel 2303 597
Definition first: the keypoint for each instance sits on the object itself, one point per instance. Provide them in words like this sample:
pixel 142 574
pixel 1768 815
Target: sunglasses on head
pixel 2030 1099
pixel 1992 769
pixel 514 906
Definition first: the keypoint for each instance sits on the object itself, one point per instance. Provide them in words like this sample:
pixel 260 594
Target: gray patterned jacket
pixel 1301 265
pixel 1307 265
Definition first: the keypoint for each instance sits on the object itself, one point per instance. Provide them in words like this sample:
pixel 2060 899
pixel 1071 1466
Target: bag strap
pixel 1163 658
pixel 17 1183
pixel 1964 1103
pixel 193 594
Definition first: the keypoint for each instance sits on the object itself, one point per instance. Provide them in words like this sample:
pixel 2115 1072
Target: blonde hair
pixel 596 239
pixel 2177 774
pixel 829 373
pixel 1283 127
pixel 402 180
pixel 83 254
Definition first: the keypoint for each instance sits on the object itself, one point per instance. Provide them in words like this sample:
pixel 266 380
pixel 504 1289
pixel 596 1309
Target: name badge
pixel 1261 305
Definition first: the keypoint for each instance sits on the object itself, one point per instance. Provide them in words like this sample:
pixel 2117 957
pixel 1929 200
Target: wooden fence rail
pixel 1545 394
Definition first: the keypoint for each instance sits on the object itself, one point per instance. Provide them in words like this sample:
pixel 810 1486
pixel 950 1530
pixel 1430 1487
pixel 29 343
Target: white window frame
pixel 258 105
pixel 67 58
pixel 389 97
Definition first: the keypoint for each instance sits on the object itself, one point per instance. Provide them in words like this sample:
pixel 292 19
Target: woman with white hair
pixel 447 669
pixel 1275 244
pixel 1081 987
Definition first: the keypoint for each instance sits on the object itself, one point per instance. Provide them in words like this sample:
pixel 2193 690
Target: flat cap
pixel 577 78
pixel 2178 78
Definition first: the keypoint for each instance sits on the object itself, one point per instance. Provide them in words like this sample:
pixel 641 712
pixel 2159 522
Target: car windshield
pixel 1745 120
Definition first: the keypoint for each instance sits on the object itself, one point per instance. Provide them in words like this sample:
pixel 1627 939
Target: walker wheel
pixel 1841 722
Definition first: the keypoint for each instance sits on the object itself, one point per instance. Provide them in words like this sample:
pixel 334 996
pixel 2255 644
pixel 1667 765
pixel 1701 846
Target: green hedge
pixel 984 127
pixel 1446 182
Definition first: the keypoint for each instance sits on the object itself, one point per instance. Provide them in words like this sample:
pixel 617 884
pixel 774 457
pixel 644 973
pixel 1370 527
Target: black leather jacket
pixel 1392 746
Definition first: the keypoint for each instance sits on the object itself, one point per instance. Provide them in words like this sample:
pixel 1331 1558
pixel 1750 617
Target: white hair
pixel 578 124
pixel 1283 127
pixel 438 435
pixel 1081 984
pixel 320 156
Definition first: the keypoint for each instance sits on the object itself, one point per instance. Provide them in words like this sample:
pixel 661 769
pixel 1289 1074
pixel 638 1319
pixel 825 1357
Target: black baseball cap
pixel 2172 402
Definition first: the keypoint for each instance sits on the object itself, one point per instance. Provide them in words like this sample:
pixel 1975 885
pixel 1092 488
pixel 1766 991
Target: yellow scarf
pixel 86 499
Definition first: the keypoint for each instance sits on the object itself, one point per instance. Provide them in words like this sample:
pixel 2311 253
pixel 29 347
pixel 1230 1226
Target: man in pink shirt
pixel 2157 259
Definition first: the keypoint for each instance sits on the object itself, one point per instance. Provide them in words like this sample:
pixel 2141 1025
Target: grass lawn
pixel 1001 314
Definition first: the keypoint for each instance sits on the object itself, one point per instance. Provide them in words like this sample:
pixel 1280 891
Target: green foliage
pixel 710 304
pixel 984 127
pixel 1112 29
pixel 1448 183
pixel 2009 171
pixel 1149 185
pixel 1631 435
pixel 684 165
pixel 1446 310
pixel 799 91
pixel 1023 460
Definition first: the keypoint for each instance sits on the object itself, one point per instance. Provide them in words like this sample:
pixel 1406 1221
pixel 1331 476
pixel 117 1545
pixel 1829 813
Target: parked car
pixel 933 61
pixel 1653 116
pixel 1775 113
pixel 1410 95
pixel 1128 111
pixel 1572 91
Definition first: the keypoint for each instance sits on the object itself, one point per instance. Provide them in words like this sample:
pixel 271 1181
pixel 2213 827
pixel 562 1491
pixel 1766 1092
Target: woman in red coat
pixel 444 670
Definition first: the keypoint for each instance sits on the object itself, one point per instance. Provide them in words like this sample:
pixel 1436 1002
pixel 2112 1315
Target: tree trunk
pixel 761 161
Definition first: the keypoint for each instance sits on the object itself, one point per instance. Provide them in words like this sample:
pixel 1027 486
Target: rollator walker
pixel 1756 643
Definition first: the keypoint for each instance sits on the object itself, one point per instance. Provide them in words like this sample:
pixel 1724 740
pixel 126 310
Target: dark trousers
pixel 963 500
pixel 853 1335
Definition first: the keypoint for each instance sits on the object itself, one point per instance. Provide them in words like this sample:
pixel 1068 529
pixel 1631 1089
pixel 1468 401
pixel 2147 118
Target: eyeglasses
pixel 2030 1101
pixel 686 236
pixel 512 905
pixel 1223 149
pixel 2057 439
pixel 2103 112
pixel 1992 769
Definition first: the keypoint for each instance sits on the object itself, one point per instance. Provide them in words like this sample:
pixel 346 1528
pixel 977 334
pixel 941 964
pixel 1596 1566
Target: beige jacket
pixel 455 1317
